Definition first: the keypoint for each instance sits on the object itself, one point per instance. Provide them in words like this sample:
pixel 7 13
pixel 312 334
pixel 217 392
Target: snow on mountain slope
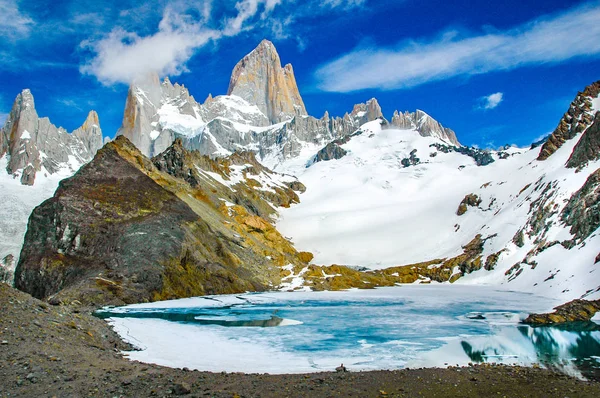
pixel 367 209
pixel 18 201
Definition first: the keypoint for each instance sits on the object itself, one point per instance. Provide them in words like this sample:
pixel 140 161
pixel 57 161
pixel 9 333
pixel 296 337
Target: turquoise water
pixel 408 326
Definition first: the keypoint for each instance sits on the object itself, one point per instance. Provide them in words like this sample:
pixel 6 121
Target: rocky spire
pixel 369 111
pixel 259 79
pixel 33 142
pixel 90 133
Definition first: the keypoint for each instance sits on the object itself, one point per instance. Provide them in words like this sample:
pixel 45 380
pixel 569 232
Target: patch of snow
pixel 170 118
pixel 154 134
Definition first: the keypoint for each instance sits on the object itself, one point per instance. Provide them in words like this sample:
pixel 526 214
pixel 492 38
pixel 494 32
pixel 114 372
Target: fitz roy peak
pixel 259 79
pixel 263 112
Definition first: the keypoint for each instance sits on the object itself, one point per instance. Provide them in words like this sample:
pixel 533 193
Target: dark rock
pixel 331 151
pixel 341 368
pixel 469 200
pixel 28 176
pixel 588 148
pixel 413 160
pixel 573 311
pixel 582 212
pixel 181 389
pixel 481 157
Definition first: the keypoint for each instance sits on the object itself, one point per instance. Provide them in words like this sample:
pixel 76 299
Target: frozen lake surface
pixel 386 328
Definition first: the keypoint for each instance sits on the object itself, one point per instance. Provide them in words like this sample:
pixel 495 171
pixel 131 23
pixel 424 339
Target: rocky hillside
pixel 527 218
pixel 263 112
pixel 34 156
pixel 127 229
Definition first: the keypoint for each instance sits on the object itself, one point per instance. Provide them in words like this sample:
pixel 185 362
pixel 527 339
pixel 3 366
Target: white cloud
pixel 3 117
pixel 491 101
pixel 547 40
pixel 13 24
pixel 123 56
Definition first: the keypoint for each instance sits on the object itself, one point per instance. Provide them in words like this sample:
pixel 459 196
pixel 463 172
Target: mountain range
pixel 246 191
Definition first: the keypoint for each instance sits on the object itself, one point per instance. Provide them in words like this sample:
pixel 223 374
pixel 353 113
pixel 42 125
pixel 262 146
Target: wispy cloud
pixel 490 101
pixel 343 3
pixel 547 40
pixel 13 23
pixel 122 56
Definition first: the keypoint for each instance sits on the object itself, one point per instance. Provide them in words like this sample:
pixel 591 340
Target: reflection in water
pixel 200 318
pixel 572 348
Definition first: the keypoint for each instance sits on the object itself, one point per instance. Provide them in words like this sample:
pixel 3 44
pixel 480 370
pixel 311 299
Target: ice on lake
pixel 386 328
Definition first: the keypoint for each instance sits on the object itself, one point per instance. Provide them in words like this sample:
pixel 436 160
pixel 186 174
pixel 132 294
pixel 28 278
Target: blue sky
pixel 495 72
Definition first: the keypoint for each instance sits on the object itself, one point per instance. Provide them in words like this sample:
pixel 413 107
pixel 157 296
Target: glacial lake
pixel 387 328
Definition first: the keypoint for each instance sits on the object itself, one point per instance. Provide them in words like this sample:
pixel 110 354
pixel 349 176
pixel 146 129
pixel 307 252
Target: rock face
pixel 588 148
pixel 573 311
pixel 34 144
pixel 576 120
pixel 260 80
pixel 582 212
pixel 129 229
pixel 424 124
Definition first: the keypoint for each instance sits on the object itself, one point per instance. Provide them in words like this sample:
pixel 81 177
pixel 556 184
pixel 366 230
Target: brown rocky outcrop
pixel 129 229
pixel 469 200
pixel 259 79
pixel 576 120
pixel 573 311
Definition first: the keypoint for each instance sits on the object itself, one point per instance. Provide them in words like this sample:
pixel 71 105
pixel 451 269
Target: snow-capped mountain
pixel 391 197
pixel 34 156
pixel 263 111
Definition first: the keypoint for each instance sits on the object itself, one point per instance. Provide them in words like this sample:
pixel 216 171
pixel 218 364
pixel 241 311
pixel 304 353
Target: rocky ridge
pixel 263 111
pixel 576 120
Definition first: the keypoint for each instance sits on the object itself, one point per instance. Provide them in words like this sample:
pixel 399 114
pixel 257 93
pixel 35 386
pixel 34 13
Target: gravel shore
pixel 57 351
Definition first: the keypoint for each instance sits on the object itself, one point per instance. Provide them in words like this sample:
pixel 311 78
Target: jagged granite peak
pixel 366 112
pixel 576 120
pixel 158 113
pixel 34 143
pixel 424 124
pixel 90 133
pixel 129 229
pixel 259 79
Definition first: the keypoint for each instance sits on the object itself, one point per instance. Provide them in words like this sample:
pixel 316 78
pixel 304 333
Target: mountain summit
pixel 259 79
